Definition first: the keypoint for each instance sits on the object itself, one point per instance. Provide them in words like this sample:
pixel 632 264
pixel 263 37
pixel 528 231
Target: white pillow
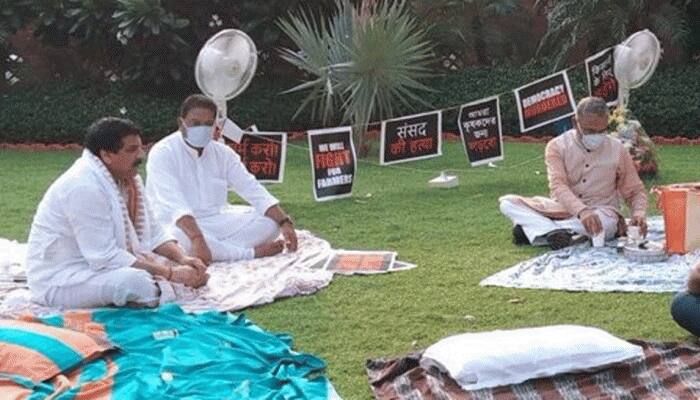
pixel 496 358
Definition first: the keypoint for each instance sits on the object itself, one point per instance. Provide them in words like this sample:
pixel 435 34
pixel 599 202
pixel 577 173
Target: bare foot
pixel 269 249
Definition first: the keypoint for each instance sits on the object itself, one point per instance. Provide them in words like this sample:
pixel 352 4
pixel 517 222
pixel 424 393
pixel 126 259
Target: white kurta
pixel 78 233
pixel 180 182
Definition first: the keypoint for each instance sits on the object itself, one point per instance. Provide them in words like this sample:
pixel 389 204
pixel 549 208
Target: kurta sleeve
pixel 630 186
pixel 158 235
pixel 245 185
pixel 558 180
pixel 90 220
pixel 164 188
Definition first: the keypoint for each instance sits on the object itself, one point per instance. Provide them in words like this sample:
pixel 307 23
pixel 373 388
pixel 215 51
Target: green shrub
pixel 59 112
pixel 149 42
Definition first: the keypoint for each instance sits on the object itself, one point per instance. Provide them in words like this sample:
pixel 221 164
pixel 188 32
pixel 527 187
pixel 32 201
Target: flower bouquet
pixel 629 131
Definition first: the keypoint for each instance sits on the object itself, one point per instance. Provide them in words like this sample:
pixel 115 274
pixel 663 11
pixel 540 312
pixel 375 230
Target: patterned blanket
pixel 583 268
pixel 231 287
pixel 667 371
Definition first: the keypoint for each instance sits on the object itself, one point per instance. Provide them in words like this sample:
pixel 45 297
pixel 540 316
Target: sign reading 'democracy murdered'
pixel 544 101
pixel 262 153
pixel 602 82
pixel 413 137
pixel 333 163
pixel 480 128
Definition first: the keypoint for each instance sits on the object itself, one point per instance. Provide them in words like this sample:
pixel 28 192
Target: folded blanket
pixel 583 268
pixel 232 286
pixel 667 371
pixel 168 354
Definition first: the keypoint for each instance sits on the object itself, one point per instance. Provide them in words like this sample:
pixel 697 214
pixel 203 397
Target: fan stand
pixel 221 112
pixel 623 96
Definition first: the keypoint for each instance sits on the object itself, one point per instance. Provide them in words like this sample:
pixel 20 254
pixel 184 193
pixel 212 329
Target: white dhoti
pixel 114 287
pixel 232 234
pixel 536 226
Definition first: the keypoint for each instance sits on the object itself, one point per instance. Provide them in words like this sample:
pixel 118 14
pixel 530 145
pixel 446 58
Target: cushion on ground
pixel 505 357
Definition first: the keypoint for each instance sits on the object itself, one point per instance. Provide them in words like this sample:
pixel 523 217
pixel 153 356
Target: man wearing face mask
pixel 189 175
pixel 94 241
pixel 589 174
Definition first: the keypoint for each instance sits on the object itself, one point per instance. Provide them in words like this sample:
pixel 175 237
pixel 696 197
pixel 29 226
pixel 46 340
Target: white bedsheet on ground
pixel 582 268
pixel 231 287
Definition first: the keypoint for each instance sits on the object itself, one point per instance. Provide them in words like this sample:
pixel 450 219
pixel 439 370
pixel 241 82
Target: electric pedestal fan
pixel 224 68
pixel 635 62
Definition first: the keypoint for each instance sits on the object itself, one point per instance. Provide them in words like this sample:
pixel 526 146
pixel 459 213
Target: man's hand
pixel 188 275
pixel 269 249
pixel 200 250
pixel 194 262
pixel 284 221
pixel 290 235
pixel 641 222
pixel 591 221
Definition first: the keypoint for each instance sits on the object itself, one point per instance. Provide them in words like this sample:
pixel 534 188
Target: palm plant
pixel 363 63
pixel 601 23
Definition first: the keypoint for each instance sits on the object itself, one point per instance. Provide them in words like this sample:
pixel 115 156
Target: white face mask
pixel 199 136
pixel 593 140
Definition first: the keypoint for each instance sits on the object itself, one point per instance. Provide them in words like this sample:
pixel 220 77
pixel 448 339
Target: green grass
pixel 457 237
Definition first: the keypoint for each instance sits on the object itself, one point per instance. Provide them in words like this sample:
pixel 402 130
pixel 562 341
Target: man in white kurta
pixel 189 176
pixel 93 238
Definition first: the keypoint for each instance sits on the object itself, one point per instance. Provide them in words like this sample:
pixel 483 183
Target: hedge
pixel 58 112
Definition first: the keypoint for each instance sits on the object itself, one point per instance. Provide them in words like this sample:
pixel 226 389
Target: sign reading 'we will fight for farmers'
pixel 544 101
pixel 332 162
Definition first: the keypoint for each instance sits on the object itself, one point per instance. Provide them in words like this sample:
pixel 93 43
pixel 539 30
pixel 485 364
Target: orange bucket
pixel 681 207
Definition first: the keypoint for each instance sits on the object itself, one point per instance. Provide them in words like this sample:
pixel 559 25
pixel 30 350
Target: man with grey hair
pixel 589 174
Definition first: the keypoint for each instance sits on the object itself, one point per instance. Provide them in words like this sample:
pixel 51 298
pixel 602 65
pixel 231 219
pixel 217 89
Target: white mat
pixel 231 287
pixel 583 268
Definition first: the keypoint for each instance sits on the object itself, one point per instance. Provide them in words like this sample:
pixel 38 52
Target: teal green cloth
pixel 202 356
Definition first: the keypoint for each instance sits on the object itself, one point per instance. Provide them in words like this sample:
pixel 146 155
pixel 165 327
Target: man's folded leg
pixel 685 310
pixel 256 230
pixel 115 287
pixel 534 225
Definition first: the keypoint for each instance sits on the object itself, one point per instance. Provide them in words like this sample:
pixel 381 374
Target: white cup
pixel 634 233
pixel 599 239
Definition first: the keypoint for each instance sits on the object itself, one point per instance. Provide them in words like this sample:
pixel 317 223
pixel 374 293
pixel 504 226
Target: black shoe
pixel 519 237
pixel 559 239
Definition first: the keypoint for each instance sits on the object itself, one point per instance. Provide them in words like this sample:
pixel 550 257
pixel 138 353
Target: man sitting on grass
pixel 685 307
pixel 189 176
pixel 91 239
pixel 588 172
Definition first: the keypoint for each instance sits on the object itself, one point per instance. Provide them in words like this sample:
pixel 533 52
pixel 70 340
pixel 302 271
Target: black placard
pixel 602 82
pixel 410 138
pixel 480 128
pixel 544 101
pixel 263 154
pixel 332 162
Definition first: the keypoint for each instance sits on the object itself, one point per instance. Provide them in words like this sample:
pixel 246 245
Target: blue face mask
pixel 199 136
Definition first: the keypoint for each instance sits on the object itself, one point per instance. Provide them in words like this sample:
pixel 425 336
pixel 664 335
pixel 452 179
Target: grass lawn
pixel 457 237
